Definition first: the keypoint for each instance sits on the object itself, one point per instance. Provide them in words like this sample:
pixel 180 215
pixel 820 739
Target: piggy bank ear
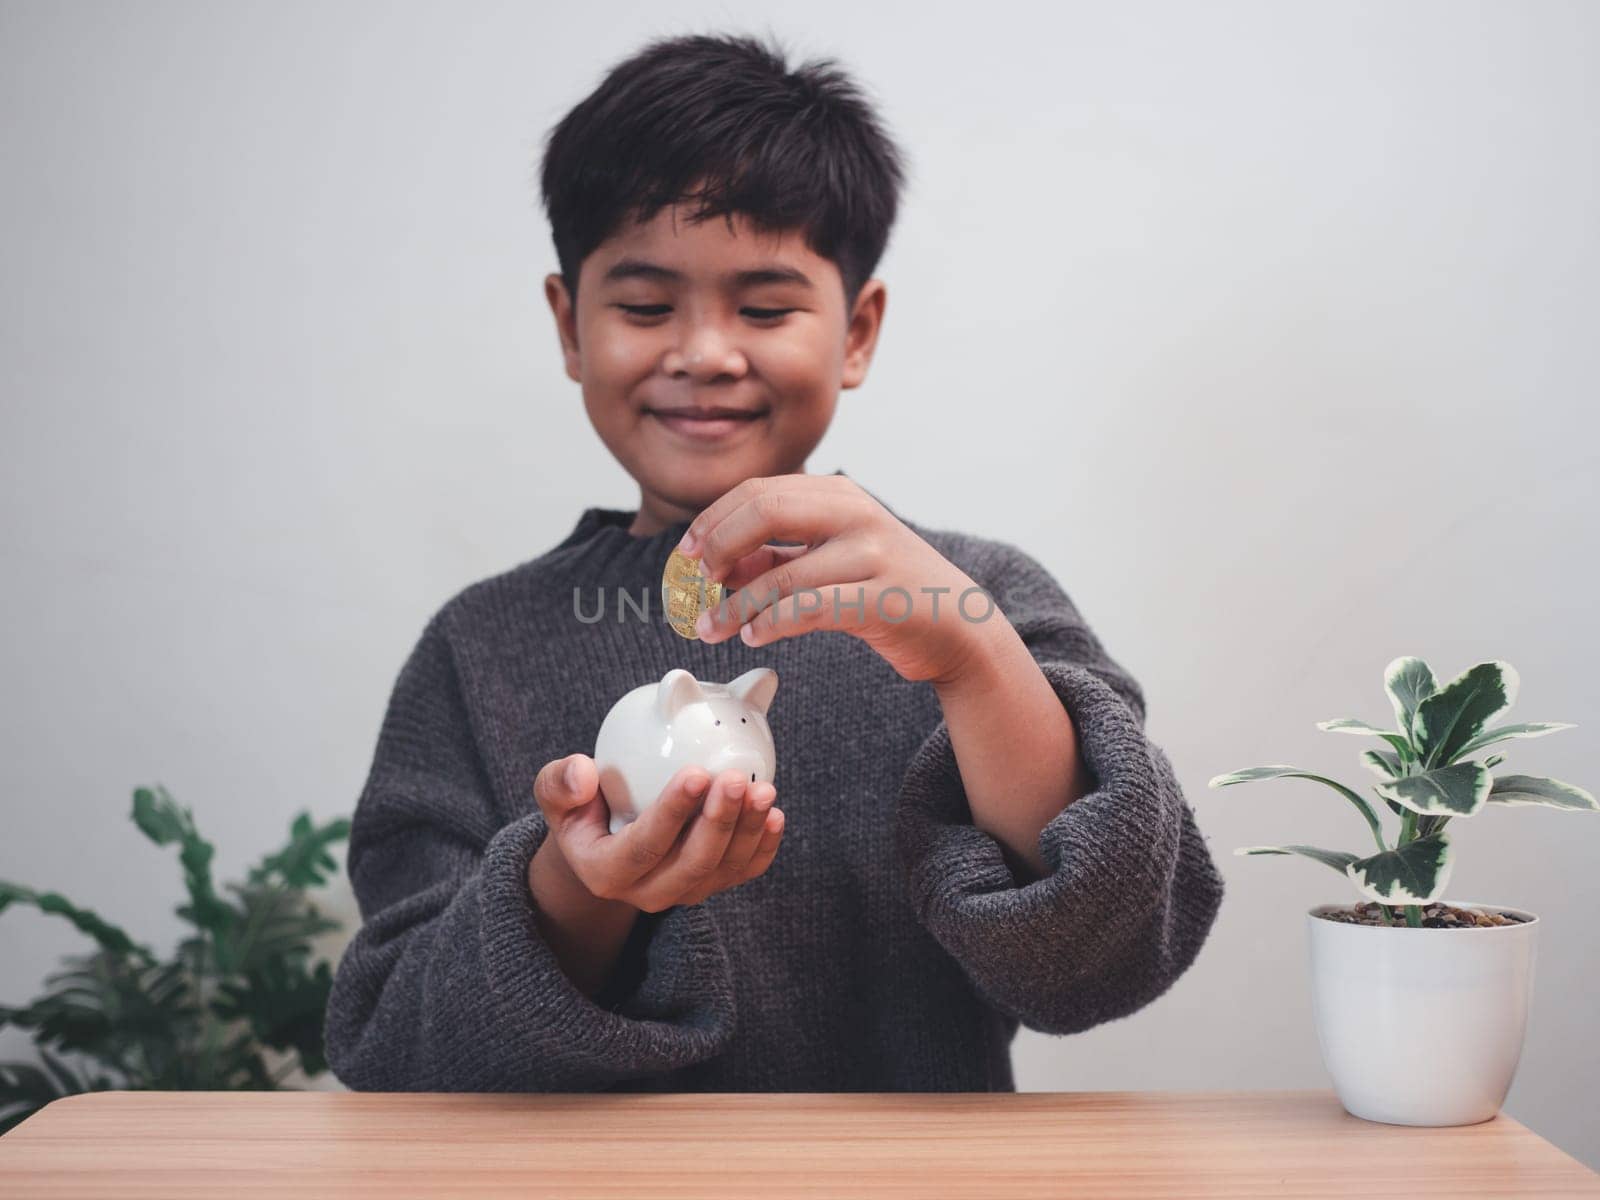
pixel 676 689
pixel 755 687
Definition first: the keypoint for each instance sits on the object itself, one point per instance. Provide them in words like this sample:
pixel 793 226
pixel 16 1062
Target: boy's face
pixel 675 323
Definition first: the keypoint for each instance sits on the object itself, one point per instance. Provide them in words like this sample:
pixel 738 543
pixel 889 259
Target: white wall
pixel 1270 328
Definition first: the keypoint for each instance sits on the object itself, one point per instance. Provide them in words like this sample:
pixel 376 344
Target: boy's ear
pixel 555 291
pixel 861 335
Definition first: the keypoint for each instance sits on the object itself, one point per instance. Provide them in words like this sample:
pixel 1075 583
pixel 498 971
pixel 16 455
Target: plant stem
pixel 1408 833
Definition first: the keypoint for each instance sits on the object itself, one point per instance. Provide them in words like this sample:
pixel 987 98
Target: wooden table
pixel 655 1147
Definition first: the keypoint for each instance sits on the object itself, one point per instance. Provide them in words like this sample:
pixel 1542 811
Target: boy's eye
pixel 658 310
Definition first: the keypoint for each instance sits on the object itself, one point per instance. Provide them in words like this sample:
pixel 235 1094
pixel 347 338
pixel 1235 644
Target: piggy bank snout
pixel 751 767
pixel 745 755
pixel 750 764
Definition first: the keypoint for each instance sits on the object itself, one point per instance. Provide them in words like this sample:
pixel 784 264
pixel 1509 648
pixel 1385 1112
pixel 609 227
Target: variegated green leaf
pixel 1279 771
pixel 1494 760
pixel 1455 714
pixel 1390 766
pixel 1458 790
pixel 1536 789
pixel 1409 682
pixel 1529 730
pixel 1416 873
pixel 1383 763
pixel 1351 725
pixel 1337 859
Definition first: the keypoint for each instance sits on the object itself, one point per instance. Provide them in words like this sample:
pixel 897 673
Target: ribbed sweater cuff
pixel 681 1012
pixel 1131 891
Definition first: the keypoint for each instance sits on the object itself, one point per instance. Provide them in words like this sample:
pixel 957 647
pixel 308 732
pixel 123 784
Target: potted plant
pixel 241 986
pixel 1421 1005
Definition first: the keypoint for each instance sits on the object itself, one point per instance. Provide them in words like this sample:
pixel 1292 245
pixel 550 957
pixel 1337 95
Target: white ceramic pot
pixel 1421 1026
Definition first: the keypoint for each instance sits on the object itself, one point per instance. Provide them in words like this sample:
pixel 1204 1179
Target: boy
pixel 977 832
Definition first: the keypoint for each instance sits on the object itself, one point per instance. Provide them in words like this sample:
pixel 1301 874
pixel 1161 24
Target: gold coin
pixel 685 593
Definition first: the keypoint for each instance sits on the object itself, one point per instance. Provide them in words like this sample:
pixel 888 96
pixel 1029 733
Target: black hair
pixel 725 115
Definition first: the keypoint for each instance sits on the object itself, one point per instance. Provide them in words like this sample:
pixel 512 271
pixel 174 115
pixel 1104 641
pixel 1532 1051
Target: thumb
pixel 564 785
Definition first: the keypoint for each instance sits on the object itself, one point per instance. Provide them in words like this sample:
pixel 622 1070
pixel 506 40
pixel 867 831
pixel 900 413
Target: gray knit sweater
pixel 887 948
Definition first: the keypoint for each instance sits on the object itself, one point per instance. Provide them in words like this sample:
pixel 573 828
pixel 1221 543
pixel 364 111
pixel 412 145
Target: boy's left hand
pixel 867 568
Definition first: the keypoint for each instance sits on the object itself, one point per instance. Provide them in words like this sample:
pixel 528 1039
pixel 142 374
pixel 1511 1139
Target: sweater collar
pixel 611 525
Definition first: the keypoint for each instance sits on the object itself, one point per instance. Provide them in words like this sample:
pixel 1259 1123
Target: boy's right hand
pixel 678 851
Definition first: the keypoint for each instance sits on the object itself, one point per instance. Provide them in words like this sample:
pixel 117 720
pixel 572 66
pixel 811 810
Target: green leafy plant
pixel 1430 777
pixel 242 982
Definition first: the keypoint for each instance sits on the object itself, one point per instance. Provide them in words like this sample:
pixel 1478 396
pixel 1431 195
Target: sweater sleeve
pixel 1131 891
pixel 448 986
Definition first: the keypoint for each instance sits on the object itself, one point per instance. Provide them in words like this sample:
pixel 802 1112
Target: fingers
pixel 650 837
pixel 767 850
pixel 758 819
pixel 799 588
pixel 699 855
pixel 757 563
pixel 762 490
pixel 781 511
pixel 784 513
pixel 693 541
pixel 752 821
pixel 680 850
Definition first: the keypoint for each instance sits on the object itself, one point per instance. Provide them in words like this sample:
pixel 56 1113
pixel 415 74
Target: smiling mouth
pixel 706 424
pixel 708 414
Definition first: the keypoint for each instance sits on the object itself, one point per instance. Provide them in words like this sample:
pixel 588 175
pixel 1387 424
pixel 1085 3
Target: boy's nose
pixel 705 355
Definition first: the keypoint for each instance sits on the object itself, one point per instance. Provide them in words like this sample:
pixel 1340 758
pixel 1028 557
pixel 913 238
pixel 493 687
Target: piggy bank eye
pixel 719 722
pixel 742 721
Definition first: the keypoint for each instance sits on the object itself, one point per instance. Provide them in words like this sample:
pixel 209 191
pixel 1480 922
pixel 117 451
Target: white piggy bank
pixel 659 728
